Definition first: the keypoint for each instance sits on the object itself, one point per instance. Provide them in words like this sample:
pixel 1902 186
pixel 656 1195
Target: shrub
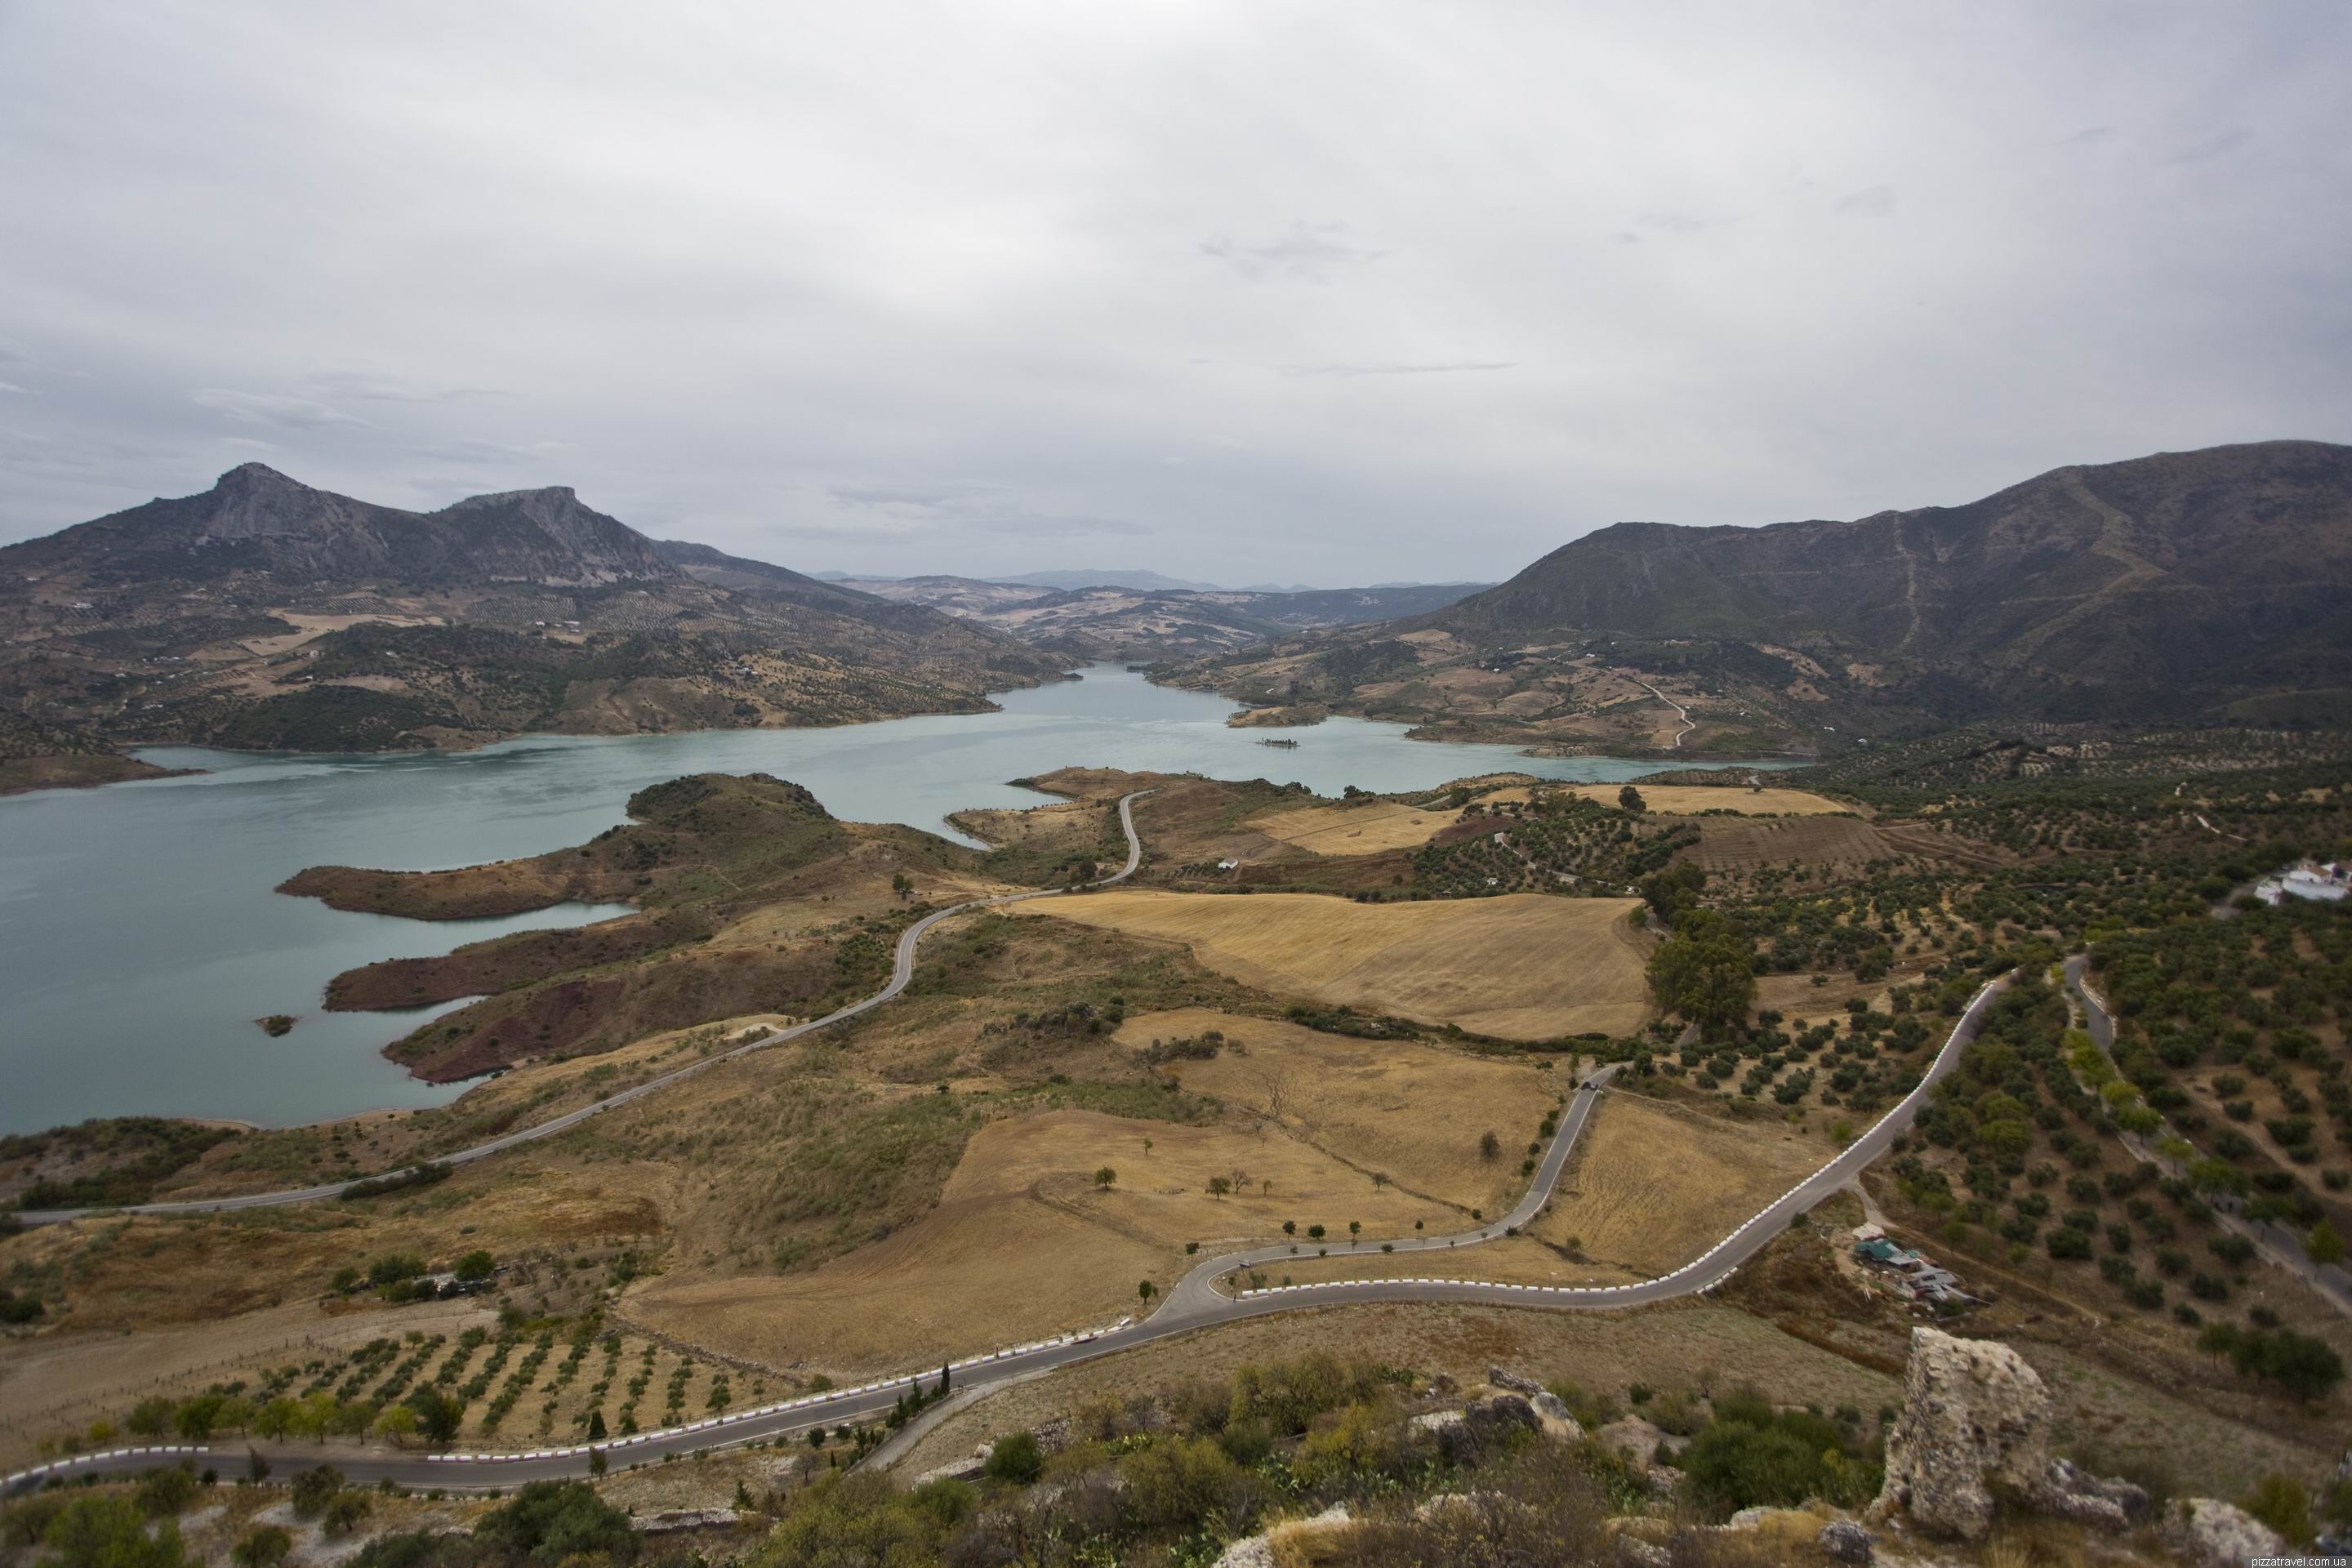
pixel 167 1493
pixel 314 1489
pixel 102 1532
pixel 263 1546
pixel 2298 1363
pixel 1752 1455
pixel 2281 1503
pixel 552 1521
pixel 1017 1458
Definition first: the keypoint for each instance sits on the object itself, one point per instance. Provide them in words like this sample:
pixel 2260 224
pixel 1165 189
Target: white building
pixel 2323 884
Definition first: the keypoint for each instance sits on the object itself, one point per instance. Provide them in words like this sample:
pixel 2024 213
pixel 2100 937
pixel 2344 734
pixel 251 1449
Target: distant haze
pixel 1335 292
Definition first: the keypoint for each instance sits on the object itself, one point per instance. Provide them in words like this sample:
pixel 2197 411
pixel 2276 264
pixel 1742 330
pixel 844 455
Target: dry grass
pixel 1409 1110
pixel 1692 799
pixel 1023 1243
pixel 1365 830
pixel 1654 1186
pixel 1067 827
pixel 63 1382
pixel 1667 1347
pixel 1507 1260
pixel 1523 967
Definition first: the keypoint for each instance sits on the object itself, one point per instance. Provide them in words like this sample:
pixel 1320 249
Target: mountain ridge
pixel 2213 585
pixel 264 613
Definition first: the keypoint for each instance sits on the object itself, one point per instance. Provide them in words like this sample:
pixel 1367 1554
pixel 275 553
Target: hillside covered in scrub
pixel 2204 586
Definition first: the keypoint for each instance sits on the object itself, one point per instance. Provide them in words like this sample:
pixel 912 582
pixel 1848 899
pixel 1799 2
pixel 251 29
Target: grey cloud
pixel 1681 222
pixel 1310 251
pixel 1035 525
pixel 1871 201
pixel 468 451
pixel 388 388
pixel 11 386
pixel 2219 145
pixel 950 295
pixel 947 509
pixel 1436 367
pixel 904 495
pixel 270 408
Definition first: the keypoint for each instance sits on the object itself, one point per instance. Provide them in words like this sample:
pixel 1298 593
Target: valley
pixel 743 1109
pixel 1103 1087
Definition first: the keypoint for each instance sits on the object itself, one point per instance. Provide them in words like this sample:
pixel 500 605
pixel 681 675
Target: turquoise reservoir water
pixel 140 938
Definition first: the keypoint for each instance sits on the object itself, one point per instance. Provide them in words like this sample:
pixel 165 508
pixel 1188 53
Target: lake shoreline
pixel 149 921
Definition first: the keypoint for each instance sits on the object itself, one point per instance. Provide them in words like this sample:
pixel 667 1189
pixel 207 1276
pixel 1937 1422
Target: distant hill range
pixel 265 614
pixel 2212 587
pixel 1109 621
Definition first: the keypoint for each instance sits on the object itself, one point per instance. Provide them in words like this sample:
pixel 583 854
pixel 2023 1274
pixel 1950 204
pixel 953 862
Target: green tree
pixel 346 1513
pixel 596 1433
pixel 2323 1245
pixel 1630 799
pixel 476 1265
pixel 315 1488
pixel 102 1532
pixel 439 1415
pixel 550 1520
pixel 1017 1458
pixel 1670 891
pixel 167 1493
pixel 263 1546
pixel 1106 1177
pixel 1705 972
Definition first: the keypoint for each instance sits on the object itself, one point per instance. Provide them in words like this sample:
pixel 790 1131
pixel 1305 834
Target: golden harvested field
pixel 1353 830
pixel 1524 966
pixel 1652 1186
pixel 1411 1112
pixel 1023 1244
pixel 1692 799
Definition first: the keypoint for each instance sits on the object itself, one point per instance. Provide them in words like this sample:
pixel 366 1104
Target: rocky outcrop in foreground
pixel 1974 1438
pixel 2210 1534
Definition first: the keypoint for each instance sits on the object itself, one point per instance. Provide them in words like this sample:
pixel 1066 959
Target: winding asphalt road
pixel 1195 1302
pixel 902 970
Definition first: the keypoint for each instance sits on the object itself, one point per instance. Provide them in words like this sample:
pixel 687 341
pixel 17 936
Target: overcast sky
pixel 1320 292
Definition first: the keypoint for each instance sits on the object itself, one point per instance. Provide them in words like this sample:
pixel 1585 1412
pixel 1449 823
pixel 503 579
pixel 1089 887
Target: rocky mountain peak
pixel 254 500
